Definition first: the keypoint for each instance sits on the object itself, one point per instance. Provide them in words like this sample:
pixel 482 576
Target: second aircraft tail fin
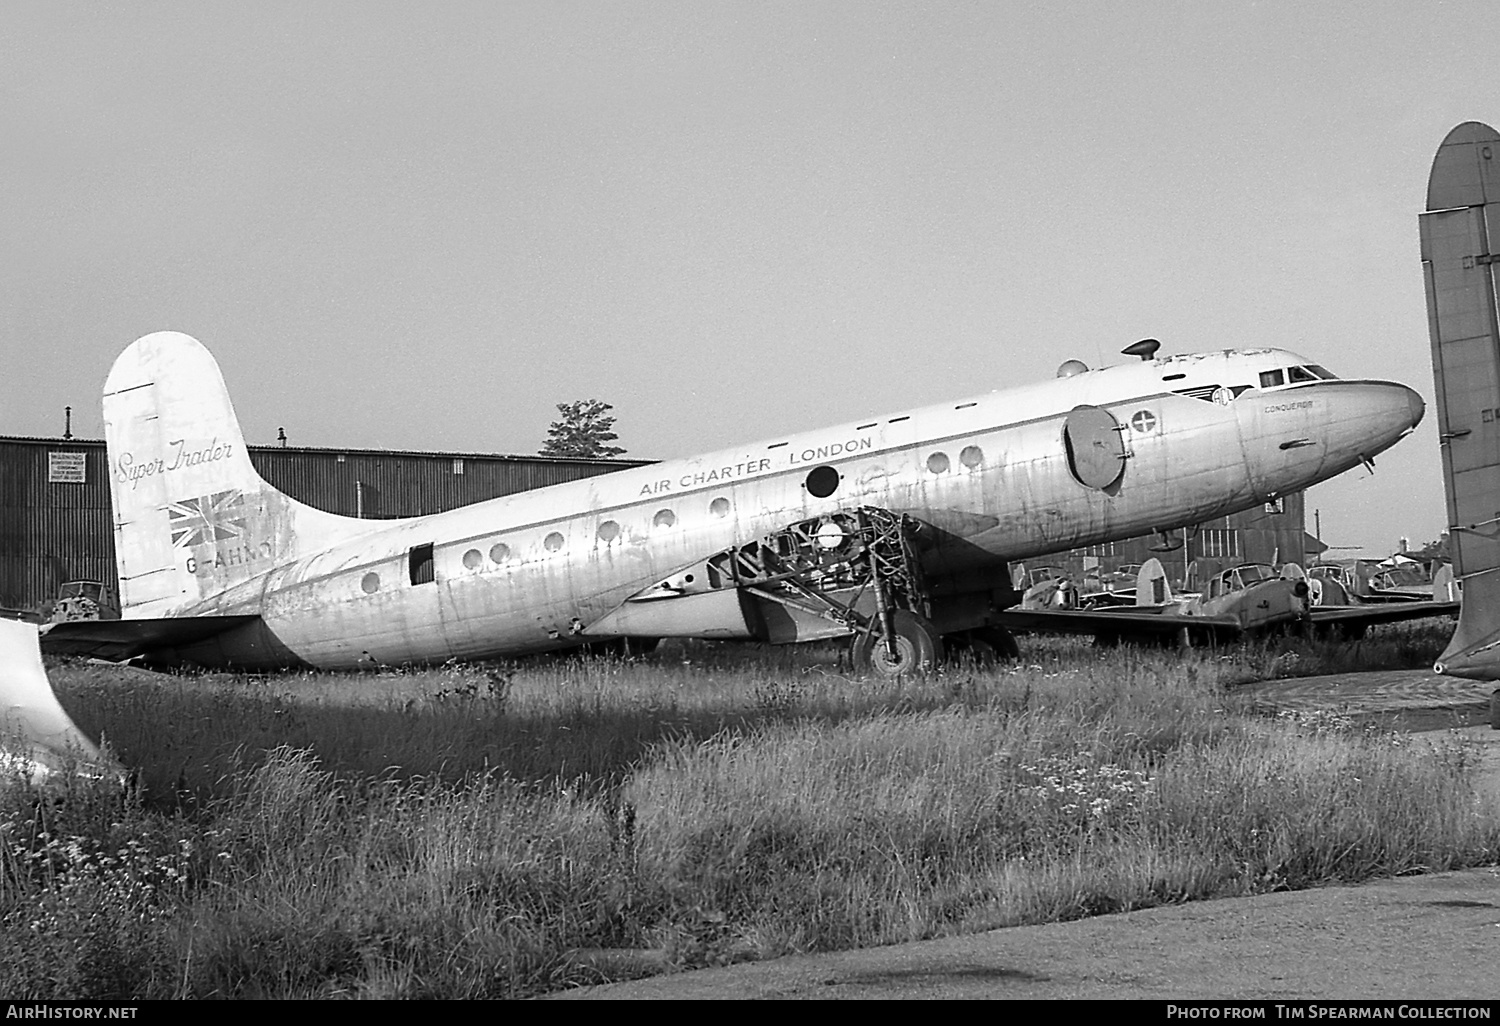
pixel 1151 587
pixel 1460 227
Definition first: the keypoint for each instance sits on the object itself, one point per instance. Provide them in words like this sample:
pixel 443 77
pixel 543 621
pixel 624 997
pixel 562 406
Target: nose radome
pixel 1415 407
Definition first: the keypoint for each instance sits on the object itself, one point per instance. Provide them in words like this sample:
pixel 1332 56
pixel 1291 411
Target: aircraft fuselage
pixel 1099 456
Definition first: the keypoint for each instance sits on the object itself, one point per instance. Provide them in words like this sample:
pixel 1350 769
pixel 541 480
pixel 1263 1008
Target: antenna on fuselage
pixel 1146 349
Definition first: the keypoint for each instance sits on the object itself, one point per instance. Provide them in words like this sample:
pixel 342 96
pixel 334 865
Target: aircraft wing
pixel 1121 621
pixel 812 579
pixel 117 640
pixel 1379 612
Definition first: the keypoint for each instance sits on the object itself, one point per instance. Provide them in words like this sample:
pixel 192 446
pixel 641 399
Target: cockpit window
pixel 1296 374
pixel 1254 573
pixel 1323 373
pixel 1270 379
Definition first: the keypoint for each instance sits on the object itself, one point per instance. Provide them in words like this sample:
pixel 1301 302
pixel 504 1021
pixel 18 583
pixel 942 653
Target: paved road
pixel 1433 936
pixel 1434 699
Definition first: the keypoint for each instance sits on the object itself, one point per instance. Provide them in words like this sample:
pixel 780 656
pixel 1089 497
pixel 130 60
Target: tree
pixel 585 430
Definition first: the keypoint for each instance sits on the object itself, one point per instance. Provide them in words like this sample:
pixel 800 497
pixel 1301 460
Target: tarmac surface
pixel 1434 936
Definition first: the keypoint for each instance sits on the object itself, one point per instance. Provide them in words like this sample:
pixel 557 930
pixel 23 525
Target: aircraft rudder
pixel 1463 173
pixel 169 423
pixel 1460 224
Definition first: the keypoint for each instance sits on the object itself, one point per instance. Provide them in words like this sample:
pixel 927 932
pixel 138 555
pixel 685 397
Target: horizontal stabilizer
pixel 117 640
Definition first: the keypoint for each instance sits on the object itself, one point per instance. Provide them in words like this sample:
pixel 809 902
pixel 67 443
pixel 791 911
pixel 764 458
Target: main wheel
pixel 981 648
pixel 919 649
pixel 1000 640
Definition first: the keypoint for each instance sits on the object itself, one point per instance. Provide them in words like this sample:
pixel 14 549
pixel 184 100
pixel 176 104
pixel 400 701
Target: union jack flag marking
pixel 210 518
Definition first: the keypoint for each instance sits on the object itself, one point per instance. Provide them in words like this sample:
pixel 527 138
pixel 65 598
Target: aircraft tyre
pixel 625 648
pixel 1340 632
pixel 1002 641
pixel 919 649
pixel 982 647
pixel 640 646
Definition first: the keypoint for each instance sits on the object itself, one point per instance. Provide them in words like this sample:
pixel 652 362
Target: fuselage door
pixel 1096 447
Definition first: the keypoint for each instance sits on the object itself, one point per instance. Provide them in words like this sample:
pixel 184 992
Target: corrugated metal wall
pixel 58 530
pixel 52 530
pixel 385 484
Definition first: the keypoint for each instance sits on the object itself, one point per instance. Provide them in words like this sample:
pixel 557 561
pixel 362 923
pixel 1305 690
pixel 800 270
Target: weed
pixel 468 832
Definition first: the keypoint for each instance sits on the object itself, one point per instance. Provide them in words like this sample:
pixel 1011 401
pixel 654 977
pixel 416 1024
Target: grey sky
pixel 423 225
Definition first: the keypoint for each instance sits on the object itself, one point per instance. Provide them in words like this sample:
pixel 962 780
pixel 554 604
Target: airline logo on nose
pixel 209 518
pixel 1143 422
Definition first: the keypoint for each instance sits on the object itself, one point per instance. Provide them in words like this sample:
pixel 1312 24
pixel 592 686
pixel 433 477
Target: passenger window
pixel 1296 374
pixel 1270 379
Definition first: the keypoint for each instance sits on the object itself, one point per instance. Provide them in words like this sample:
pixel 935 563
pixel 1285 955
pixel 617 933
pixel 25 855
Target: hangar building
pixel 55 515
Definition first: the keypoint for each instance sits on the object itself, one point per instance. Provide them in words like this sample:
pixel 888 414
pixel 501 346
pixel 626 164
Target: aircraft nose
pixel 1368 417
pixel 1400 410
pixel 1415 407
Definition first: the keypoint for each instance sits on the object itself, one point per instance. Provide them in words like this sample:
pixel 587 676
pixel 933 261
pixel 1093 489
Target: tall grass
pixel 488 832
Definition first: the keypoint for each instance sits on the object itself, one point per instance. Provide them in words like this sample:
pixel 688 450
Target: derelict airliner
pixel 894 531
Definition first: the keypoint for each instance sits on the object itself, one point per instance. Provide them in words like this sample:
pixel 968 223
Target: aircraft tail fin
pixel 1460 226
pixel 1474 651
pixel 37 738
pixel 192 517
pixel 1444 587
pixel 1151 587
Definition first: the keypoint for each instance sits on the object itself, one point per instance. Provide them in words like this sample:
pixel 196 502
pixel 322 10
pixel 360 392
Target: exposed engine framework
pixel 826 566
